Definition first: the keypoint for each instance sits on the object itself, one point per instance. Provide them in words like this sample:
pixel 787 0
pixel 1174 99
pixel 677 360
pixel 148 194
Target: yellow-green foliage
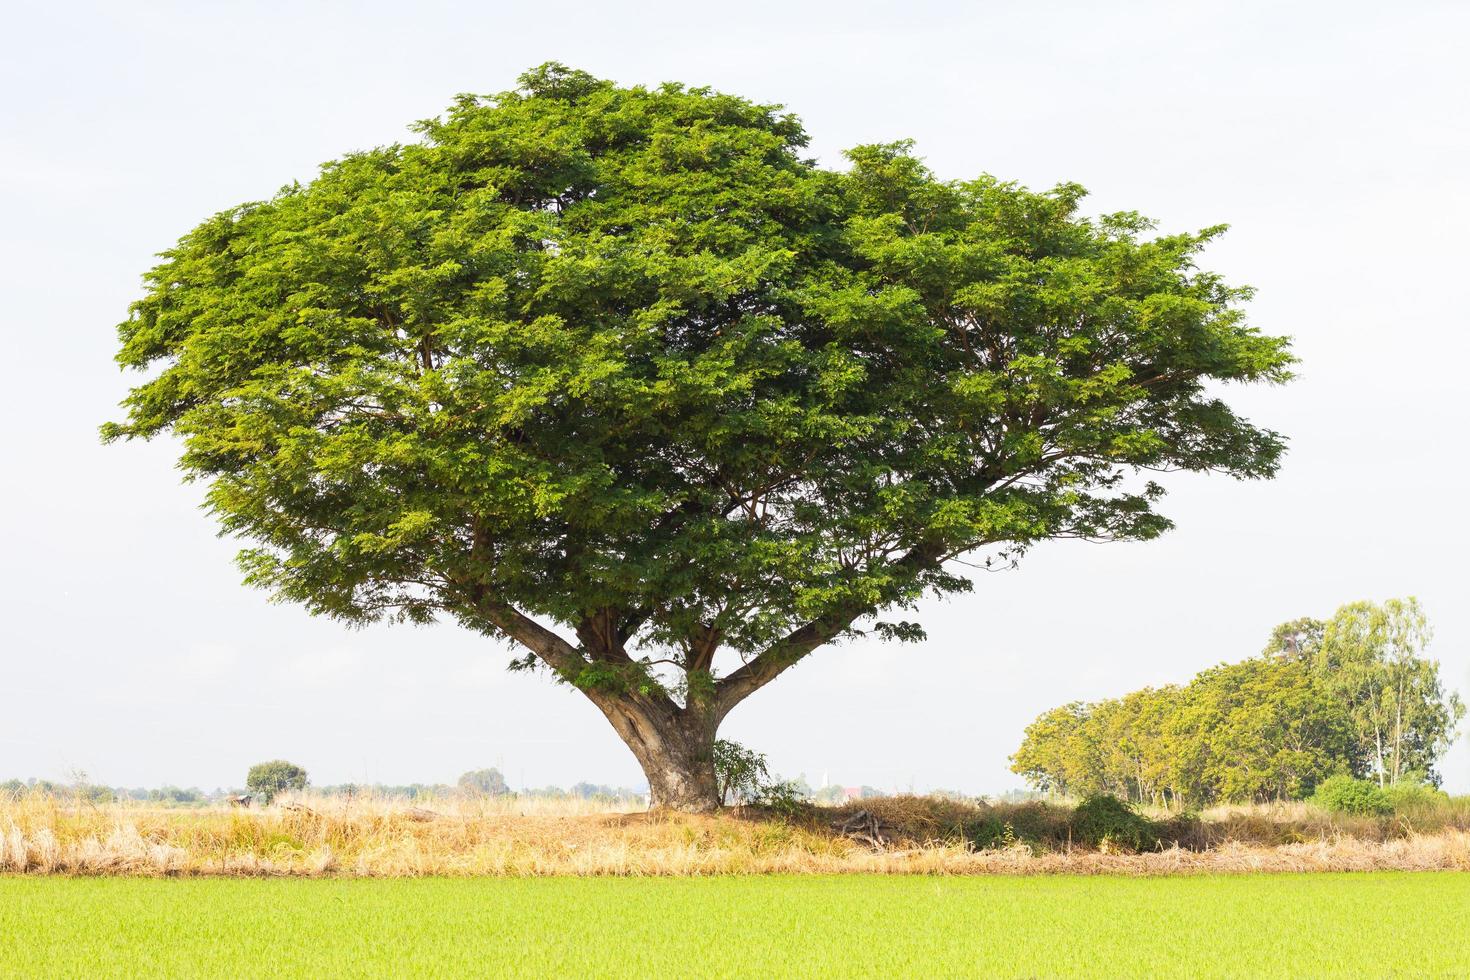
pixel 1354 695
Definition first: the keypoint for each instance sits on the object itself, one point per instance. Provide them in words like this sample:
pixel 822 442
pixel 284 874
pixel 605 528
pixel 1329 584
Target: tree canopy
pixel 277 776
pixel 1371 658
pixel 1353 695
pixel 483 782
pixel 624 360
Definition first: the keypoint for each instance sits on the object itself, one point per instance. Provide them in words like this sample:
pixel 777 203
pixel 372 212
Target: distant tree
pixel 830 794
pixel 1371 657
pixel 18 787
pixel 622 375
pixel 277 776
pixel 1125 739
pixel 412 791
pixel 1018 796
pixel 1255 731
pixel 1351 695
pixel 1060 753
pixel 1299 639
pixel 484 782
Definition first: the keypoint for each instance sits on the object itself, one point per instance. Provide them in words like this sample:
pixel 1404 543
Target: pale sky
pixel 1333 137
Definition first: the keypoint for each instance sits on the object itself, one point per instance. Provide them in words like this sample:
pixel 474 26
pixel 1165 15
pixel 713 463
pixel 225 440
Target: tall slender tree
pixel 1371 656
pixel 620 375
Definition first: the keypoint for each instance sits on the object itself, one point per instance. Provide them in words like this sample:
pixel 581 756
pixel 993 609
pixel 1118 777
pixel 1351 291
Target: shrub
pixel 1344 794
pixel 276 776
pixel 989 833
pixel 1037 822
pixel 1411 794
pixel 1106 822
pixel 740 773
pixel 1185 829
pixel 94 794
pixel 784 798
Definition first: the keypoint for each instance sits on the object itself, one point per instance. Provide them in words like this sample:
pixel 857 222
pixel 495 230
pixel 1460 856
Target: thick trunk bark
pixel 682 777
pixel 673 744
pixel 674 748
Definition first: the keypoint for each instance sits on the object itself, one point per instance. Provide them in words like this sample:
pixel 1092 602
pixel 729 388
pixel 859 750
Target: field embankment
pixel 326 836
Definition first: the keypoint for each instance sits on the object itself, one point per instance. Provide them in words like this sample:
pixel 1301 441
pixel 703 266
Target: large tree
pixel 620 375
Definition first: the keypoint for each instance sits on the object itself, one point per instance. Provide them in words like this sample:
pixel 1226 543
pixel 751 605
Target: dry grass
pixel 1292 823
pixel 369 837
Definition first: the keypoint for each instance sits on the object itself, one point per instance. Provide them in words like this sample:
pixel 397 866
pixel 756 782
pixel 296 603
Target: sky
pixel 1333 137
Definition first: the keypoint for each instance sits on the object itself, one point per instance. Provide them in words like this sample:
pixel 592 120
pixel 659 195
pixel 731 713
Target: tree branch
pixel 767 665
pixel 557 653
pixel 703 643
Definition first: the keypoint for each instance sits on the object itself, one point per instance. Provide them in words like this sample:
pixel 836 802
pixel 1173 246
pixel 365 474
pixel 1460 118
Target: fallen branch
pixel 865 828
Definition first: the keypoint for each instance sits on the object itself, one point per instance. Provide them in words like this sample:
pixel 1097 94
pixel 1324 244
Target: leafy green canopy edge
pixel 621 358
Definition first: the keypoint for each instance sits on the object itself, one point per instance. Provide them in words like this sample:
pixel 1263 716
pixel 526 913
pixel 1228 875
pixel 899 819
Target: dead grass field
pixel 373 837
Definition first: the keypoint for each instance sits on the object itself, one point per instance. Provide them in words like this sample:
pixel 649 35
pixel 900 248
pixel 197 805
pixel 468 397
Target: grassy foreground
pixel 738 926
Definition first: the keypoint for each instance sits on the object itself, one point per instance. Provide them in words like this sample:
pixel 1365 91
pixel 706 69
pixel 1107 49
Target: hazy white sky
pixel 1334 137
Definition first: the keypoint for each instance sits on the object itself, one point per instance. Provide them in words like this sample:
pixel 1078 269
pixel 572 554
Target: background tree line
pixel 1350 695
pixel 267 779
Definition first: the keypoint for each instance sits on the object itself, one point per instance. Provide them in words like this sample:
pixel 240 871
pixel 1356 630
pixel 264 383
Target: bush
pixel 1411 794
pixel 269 778
pixel 784 798
pixel 1344 794
pixel 1106 822
pixel 1184 829
pixel 989 833
pixel 740 773
pixel 94 794
pixel 173 794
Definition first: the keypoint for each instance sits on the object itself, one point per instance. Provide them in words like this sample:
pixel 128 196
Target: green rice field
pixel 1380 924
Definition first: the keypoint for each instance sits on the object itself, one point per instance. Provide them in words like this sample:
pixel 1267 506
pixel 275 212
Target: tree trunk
pixel 675 748
pixel 673 743
pixel 681 776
